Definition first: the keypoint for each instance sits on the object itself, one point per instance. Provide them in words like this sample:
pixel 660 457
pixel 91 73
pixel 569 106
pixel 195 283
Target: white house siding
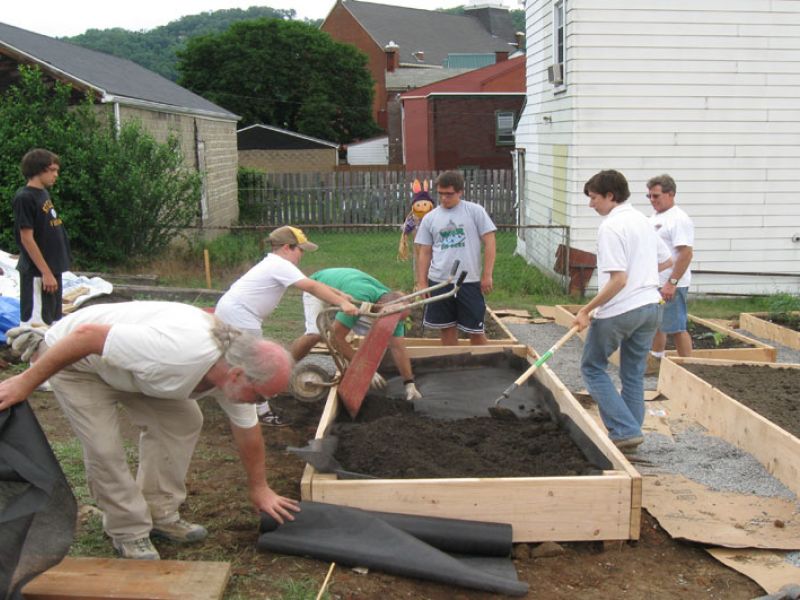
pixel 705 90
pixel 369 152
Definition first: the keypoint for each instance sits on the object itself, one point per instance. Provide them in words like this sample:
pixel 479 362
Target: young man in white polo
pixel 629 257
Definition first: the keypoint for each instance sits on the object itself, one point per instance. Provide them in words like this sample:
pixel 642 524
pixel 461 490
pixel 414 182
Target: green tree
pixel 122 195
pixel 157 48
pixel 283 73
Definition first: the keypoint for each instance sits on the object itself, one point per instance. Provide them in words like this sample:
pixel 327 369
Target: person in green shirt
pixel 361 287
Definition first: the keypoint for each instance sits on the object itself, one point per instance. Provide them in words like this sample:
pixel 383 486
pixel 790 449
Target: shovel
pixel 506 414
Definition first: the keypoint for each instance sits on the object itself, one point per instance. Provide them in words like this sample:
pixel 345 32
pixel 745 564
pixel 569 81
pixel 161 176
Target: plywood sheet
pixel 102 578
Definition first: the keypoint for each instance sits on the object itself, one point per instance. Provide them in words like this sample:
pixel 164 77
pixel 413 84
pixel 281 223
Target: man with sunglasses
pixel 253 297
pixel 676 229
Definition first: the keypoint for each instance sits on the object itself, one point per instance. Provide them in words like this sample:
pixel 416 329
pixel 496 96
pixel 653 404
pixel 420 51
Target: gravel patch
pixel 710 461
pixel 785 354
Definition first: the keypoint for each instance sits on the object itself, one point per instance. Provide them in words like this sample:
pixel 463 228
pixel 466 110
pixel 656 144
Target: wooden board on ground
pixel 724 417
pixel 102 578
pixel 757 324
pixel 546 311
pixel 755 350
pixel 598 507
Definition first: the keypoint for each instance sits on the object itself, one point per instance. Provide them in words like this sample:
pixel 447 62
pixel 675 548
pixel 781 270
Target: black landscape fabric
pixel 37 508
pixel 384 542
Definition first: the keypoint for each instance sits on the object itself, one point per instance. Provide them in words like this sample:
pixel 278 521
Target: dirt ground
pixel 791 321
pixel 772 393
pixel 655 567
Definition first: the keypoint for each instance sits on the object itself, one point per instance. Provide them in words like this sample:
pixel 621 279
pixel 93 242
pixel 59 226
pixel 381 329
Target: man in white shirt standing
pixel 675 227
pixel 253 297
pixel 629 257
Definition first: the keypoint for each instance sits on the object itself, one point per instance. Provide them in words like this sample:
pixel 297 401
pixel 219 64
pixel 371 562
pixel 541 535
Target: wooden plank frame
pixel 756 350
pixel 757 324
pixel 601 507
pixel 725 417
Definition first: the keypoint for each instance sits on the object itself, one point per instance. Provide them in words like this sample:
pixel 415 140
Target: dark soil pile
pixel 774 393
pixel 414 327
pixel 390 441
pixel 788 320
pixel 704 338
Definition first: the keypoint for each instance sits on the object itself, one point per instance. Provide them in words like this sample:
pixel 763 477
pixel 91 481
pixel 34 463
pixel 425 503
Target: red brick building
pixel 466 121
pixel 398 38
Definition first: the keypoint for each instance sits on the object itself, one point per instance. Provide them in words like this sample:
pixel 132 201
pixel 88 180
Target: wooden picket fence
pixel 360 197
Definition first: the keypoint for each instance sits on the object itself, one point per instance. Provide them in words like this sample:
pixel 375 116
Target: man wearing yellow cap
pixel 253 297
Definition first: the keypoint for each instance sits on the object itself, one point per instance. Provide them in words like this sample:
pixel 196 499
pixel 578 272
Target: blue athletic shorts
pixel 465 310
pixel 675 316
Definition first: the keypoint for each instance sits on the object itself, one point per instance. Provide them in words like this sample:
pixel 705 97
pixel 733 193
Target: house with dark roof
pixel 409 47
pixel 465 122
pixel 129 91
pixel 276 150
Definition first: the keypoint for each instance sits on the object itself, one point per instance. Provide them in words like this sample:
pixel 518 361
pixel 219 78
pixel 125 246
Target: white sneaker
pixel 139 549
pixel 45 387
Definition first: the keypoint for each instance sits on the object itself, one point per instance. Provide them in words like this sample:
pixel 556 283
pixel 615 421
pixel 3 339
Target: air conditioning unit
pixel 555 73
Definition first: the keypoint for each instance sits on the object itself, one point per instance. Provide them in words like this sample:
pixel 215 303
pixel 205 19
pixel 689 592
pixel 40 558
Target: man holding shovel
pixel 629 257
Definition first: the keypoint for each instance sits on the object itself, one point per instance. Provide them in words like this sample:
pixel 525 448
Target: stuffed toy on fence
pixel 421 205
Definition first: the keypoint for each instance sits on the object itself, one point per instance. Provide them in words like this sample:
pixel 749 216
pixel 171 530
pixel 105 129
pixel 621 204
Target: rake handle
pixel 542 359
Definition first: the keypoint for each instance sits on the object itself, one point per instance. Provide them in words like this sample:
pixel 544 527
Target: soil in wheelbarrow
pixel 390 441
pixel 492 327
pixel 774 393
pixel 704 338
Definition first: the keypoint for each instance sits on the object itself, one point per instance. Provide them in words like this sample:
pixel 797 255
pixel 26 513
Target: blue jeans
pixel 632 332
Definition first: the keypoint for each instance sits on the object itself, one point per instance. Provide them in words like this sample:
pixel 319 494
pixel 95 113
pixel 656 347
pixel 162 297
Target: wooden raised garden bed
pixel 725 343
pixel 604 505
pixel 761 325
pixel 737 416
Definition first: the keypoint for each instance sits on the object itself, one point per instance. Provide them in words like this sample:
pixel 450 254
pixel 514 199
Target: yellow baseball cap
pixel 292 236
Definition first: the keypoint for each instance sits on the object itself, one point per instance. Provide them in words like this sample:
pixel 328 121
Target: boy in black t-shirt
pixel 42 240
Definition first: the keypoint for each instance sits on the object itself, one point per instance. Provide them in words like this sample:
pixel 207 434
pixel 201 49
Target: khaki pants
pixel 169 430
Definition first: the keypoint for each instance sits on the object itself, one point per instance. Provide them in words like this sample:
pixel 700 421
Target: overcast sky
pixel 67 18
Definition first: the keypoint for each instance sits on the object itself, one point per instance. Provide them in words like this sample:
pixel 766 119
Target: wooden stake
pixel 325 583
pixel 207 262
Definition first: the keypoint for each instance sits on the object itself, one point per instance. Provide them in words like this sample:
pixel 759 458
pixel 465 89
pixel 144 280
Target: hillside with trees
pixel 157 48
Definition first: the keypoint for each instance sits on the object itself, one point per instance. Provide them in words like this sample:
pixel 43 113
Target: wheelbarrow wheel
pixel 310 383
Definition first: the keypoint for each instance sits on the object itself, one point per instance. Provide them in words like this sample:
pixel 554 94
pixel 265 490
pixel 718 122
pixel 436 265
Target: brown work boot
pixel 179 531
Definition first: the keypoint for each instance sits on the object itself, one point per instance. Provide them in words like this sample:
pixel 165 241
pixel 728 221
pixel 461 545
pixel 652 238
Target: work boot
pixel 139 549
pixel 179 531
pixel 629 444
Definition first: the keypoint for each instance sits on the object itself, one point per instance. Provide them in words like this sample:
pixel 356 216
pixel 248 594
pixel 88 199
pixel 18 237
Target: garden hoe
pixel 506 414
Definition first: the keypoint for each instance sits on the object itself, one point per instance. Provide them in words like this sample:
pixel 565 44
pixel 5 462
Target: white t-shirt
pixel 676 229
pixel 159 349
pixel 627 242
pixel 455 234
pixel 254 296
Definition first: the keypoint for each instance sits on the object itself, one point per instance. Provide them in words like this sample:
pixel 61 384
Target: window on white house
pixel 504 132
pixel 556 73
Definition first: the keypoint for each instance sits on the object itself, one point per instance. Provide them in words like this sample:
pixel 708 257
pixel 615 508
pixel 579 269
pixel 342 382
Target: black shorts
pixel 465 310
